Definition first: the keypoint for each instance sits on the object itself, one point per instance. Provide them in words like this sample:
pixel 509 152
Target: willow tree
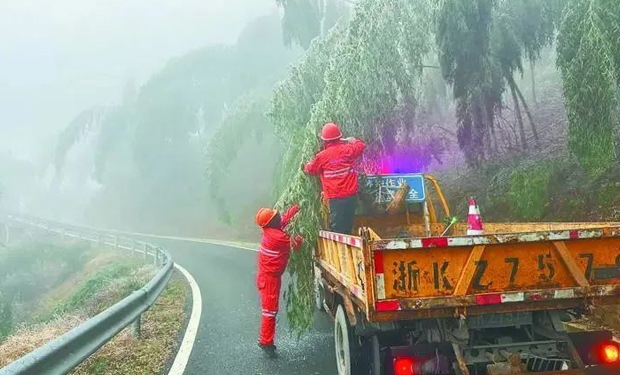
pixel 246 125
pixel 370 71
pixel 589 59
pixel 482 45
pixel 522 28
pixel 464 41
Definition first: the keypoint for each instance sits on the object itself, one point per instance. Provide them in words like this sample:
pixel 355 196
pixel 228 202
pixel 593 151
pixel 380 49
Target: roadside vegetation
pixel 49 288
pixel 151 353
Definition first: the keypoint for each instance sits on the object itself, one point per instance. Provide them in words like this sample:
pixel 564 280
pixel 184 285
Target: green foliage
pixel 246 123
pixel 481 46
pixel 529 191
pixel 589 58
pixel 385 42
pixel 464 41
pixel 93 286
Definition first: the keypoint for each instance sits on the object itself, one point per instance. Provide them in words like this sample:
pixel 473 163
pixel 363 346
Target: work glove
pixel 348 139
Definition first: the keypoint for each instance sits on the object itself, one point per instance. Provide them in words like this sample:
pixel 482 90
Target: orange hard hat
pixel 331 132
pixel 264 216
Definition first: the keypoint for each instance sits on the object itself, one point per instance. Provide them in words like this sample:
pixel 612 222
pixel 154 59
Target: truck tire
pixel 347 351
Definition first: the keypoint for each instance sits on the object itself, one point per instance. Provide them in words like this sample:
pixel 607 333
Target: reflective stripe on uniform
pixel 269 253
pixel 337 172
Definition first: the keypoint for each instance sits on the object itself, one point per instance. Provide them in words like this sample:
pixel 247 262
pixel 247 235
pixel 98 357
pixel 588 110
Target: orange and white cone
pixel 474 221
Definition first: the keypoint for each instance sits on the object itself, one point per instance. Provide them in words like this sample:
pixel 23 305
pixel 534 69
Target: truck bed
pixel 511 268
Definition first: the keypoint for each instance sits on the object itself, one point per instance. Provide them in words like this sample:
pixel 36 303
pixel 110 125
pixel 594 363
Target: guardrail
pixel 66 352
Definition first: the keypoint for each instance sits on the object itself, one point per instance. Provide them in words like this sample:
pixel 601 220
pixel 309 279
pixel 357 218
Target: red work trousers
pixel 269 292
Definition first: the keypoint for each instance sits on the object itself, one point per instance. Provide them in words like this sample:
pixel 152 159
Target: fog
pixel 107 109
pixel 62 56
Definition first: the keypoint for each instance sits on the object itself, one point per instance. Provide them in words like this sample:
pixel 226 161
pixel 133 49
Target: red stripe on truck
pixel 391 305
pixel 435 242
pixel 488 299
pixel 378 261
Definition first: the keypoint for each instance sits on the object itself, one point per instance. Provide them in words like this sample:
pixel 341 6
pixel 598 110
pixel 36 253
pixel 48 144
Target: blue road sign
pixel 388 185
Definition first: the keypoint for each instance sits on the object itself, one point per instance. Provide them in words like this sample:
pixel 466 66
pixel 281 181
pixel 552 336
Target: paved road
pixel 226 341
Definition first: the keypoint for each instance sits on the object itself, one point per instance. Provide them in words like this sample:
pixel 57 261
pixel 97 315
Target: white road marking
pixel 185 349
pixel 187 239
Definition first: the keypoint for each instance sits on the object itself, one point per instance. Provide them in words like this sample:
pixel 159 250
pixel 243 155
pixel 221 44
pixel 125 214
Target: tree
pixel 149 151
pixel 589 59
pixel 463 38
pixel 246 126
pixel 482 44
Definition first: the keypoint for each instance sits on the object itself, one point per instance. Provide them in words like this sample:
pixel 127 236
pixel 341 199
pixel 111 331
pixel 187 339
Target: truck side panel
pixel 343 258
pixel 512 267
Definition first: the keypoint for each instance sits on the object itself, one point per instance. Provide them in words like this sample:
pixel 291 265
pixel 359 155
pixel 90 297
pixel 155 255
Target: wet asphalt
pixel 227 338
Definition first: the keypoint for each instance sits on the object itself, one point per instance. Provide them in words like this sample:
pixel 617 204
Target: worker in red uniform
pixel 334 165
pixel 274 251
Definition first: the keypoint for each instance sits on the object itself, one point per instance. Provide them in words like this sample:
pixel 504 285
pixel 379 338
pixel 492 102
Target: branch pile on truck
pixel 414 295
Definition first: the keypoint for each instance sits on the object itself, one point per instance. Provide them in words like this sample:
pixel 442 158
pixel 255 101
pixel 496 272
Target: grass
pixel 124 354
pixel 26 339
pixel 104 288
pixel 149 354
pixel 47 288
pixel 105 281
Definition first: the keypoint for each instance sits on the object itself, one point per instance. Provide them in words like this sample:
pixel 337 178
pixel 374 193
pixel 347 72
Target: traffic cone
pixel 474 221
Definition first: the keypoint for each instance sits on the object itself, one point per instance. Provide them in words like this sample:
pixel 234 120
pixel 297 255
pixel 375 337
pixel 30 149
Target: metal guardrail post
pixel 136 327
pixel 160 258
pixel 116 242
pixel 144 247
pixel 156 257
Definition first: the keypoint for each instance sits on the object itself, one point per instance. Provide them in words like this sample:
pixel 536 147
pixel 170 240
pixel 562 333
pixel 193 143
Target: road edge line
pixel 187 239
pixel 187 344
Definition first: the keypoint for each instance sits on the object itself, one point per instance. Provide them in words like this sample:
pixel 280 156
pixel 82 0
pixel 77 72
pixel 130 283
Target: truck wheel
pixel 346 347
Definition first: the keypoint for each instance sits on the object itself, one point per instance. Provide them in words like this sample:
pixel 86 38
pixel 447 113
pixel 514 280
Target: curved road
pixel 226 341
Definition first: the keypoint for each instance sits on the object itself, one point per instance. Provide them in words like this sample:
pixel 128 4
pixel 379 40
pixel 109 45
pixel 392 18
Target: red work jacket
pixel 335 167
pixel 275 246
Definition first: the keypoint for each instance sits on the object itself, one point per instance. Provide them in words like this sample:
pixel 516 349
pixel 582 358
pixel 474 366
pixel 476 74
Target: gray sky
pixel 58 57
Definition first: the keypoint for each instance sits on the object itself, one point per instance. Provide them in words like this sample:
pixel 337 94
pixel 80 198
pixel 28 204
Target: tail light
pixel 609 353
pixel 404 366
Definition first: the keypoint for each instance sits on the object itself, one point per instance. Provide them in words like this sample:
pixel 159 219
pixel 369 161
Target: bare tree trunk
pixel 495 143
pixel 528 113
pixel 533 73
pixel 493 138
pixel 515 100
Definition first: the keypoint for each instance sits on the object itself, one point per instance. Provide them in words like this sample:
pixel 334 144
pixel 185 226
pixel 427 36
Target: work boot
pixel 270 350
